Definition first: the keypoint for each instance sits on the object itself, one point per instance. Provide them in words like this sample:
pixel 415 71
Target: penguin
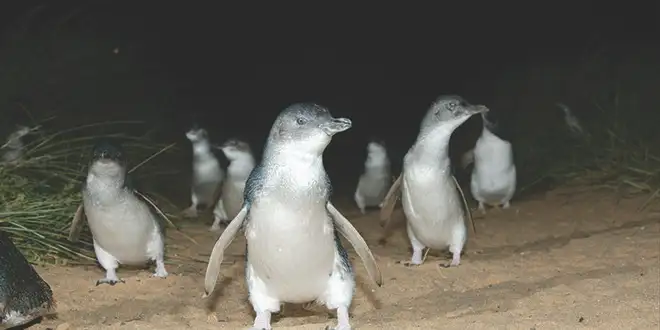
pixel 241 163
pixel 125 230
pixel 572 122
pixel 293 252
pixel 13 149
pixel 493 180
pixel 207 175
pixel 24 295
pixel 433 203
pixel 376 179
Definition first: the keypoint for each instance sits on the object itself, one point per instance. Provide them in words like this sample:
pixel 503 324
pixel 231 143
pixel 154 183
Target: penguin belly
pixel 373 188
pixel 291 249
pixel 123 229
pixel 432 207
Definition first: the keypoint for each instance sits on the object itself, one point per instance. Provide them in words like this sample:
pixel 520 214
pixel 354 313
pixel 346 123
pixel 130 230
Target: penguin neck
pixel 291 154
pixel 491 134
pixel 201 148
pixel 432 147
pixel 292 164
pixel 105 188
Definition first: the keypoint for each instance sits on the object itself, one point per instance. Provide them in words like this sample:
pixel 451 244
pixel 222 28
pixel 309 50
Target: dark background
pixel 233 68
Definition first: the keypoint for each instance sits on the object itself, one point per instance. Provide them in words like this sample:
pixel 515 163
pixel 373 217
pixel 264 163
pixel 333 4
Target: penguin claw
pixel 111 282
pixel 160 274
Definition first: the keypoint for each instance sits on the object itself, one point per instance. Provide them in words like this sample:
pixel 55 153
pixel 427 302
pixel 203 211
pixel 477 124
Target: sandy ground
pixel 560 261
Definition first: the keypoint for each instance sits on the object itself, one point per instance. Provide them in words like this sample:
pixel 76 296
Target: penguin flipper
pixel 466 207
pixel 346 228
pixel 24 295
pixel 77 224
pixel 218 253
pixel 389 202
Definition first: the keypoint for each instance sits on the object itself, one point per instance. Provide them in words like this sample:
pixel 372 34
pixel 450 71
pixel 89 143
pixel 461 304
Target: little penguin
pixel 241 163
pixel 493 179
pixel 432 200
pixel 13 149
pixel 376 179
pixel 125 230
pixel 207 175
pixel 294 253
pixel 24 295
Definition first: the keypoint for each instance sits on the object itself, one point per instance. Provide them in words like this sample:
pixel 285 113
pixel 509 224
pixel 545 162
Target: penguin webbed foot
pixel 215 227
pixel 482 208
pixel 160 273
pixel 342 320
pixel 109 281
pixel 455 261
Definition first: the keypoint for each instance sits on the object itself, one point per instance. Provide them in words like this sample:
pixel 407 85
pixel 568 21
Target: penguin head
pixel 490 122
pixel 235 149
pixel 306 127
pixel 107 159
pixel 450 111
pixel 196 134
pixel 376 147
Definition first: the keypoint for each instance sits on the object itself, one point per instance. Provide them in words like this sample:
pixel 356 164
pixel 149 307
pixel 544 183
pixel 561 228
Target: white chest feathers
pixel 374 182
pixel 205 166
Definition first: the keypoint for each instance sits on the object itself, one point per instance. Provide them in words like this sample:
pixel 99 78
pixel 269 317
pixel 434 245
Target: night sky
pixel 234 69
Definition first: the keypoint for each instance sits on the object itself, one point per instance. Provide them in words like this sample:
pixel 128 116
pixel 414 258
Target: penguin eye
pixel 301 121
pixel 452 105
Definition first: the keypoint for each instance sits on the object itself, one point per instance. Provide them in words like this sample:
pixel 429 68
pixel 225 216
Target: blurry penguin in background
pixel 13 149
pixel 376 178
pixel 493 180
pixel 207 174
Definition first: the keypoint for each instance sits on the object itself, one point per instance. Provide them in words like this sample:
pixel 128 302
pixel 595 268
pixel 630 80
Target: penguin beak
pixel 336 125
pixel 478 109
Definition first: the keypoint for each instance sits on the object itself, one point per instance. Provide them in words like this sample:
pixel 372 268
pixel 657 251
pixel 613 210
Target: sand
pixel 564 260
